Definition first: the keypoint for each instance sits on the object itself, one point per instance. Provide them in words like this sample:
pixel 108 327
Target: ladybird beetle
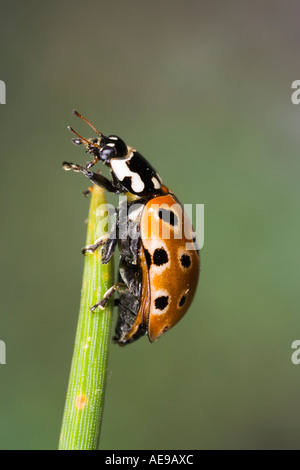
pixel 158 275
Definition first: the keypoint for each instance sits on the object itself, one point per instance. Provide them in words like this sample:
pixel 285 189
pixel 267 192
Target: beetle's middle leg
pixel 93 247
pixel 118 286
pixel 108 243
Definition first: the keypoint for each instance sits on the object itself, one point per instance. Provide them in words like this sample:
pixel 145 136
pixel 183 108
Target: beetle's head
pixel 103 148
pixel 112 147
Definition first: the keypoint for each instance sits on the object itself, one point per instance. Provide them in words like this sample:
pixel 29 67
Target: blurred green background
pixel 203 90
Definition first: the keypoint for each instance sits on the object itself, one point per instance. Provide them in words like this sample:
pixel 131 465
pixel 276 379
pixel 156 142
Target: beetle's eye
pixel 106 153
pixel 113 147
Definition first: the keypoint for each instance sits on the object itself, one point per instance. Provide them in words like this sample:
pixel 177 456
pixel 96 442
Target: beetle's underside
pixel 129 301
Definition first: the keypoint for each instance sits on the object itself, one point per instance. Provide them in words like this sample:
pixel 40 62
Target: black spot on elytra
pixel 196 246
pixel 148 258
pixel 160 256
pixel 168 216
pixel 161 302
pixel 185 261
pixel 182 301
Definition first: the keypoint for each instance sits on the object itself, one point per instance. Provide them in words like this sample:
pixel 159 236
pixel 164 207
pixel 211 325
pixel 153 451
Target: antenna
pixel 76 113
pixel 81 139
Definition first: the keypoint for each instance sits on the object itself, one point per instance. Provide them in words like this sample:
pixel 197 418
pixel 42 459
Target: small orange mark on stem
pixel 80 401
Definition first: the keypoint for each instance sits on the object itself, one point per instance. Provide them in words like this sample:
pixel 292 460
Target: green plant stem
pixel 85 396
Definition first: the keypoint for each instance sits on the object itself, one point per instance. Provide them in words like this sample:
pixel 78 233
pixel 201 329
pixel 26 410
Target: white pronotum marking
pixel 121 170
pixel 156 183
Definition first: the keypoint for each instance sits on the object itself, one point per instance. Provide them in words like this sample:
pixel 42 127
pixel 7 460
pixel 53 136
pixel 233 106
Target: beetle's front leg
pixel 96 178
pixel 92 162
